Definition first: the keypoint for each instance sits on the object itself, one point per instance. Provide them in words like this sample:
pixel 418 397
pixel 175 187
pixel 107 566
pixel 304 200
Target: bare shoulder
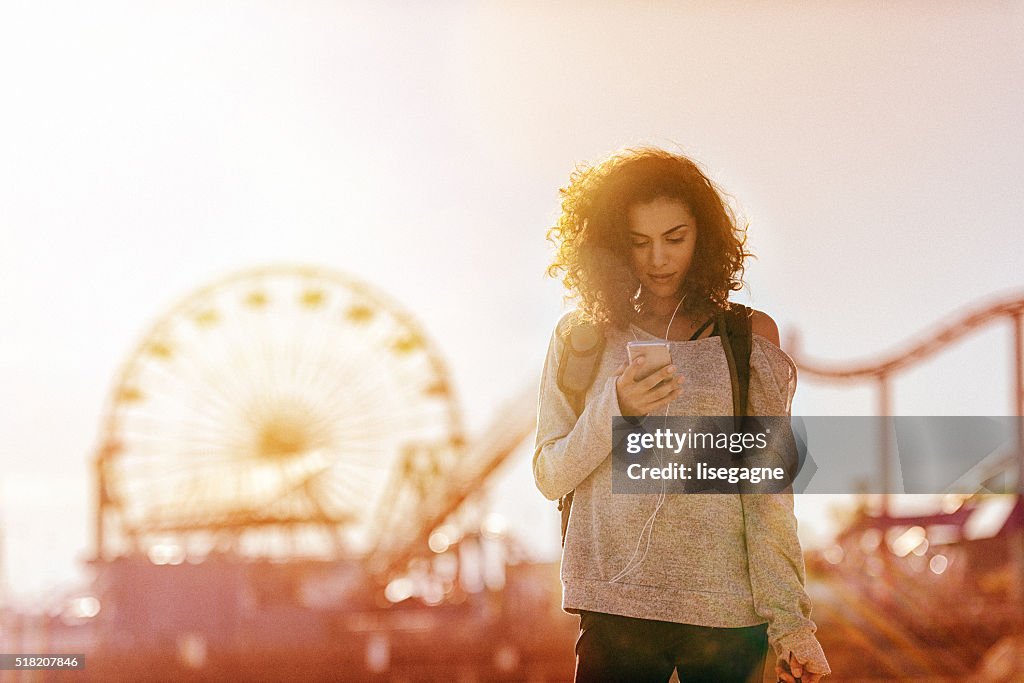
pixel 762 324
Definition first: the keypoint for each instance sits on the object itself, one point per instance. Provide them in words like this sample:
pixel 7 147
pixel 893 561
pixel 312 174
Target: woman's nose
pixel 659 255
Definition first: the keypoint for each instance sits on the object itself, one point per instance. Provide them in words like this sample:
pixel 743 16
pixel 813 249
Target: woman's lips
pixel 661 279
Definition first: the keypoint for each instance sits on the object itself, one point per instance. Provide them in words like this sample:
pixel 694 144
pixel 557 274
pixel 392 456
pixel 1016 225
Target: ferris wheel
pixel 267 415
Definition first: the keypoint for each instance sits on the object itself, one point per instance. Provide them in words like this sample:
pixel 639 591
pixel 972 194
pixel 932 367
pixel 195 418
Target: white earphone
pixel 648 527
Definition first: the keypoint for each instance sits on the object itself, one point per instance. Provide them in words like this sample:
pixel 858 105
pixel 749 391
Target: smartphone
pixel 655 353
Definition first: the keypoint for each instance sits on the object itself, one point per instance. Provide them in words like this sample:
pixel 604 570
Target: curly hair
pixel 592 245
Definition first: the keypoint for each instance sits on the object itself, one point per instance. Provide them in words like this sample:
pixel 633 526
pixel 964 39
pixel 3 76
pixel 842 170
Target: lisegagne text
pixel 702 472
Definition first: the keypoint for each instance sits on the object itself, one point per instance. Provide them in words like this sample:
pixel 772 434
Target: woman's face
pixel 663 235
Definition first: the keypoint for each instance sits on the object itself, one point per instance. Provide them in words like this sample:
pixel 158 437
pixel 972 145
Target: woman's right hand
pixel 642 397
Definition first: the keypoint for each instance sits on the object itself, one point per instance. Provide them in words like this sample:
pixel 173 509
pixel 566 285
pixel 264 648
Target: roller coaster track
pixel 1011 308
pixel 882 370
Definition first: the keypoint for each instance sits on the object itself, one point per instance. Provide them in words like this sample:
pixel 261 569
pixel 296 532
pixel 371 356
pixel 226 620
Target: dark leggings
pixel 617 649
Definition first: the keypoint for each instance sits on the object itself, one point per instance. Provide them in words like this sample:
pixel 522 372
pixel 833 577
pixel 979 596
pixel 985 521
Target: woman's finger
pixel 795 666
pixel 663 397
pixel 668 389
pixel 783 671
pixel 673 394
pixel 629 374
pixel 655 378
pixel 674 386
pixel 783 675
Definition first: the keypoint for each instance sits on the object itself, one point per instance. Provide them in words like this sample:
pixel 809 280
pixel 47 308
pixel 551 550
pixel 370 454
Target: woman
pixel 698 583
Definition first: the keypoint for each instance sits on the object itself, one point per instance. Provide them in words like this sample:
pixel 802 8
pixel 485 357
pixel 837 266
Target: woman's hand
pixel 642 397
pixel 793 671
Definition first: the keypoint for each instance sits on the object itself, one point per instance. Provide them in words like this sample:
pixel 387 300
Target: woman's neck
pixel 661 308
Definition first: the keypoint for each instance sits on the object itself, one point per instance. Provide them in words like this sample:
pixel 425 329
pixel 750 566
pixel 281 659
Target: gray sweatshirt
pixel 722 560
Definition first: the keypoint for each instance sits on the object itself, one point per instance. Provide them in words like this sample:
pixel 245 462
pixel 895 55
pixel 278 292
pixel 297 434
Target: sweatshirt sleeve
pixel 773 548
pixel 569 449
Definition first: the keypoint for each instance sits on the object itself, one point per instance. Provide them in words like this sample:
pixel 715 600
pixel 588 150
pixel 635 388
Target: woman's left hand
pixel 793 671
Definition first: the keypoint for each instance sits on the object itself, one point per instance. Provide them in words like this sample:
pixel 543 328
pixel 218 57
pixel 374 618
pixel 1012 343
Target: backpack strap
pixel 577 368
pixel 734 328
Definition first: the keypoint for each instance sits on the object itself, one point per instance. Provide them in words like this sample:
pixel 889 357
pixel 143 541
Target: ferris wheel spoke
pixel 196 420
pixel 371 356
pixel 394 418
pixel 358 386
pixel 144 444
pixel 304 367
pixel 214 401
pixel 191 450
pixel 379 426
pixel 383 449
pixel 181 463
pixel 317 361
pixel 167 462
pixel 185 368
pixel 263 351
pixel 210 365
pixel 340 379
pixel 248 387
pixel 346 377
pixel 380 456
pixel 222 391
pixel 262 358
pixel 368 365
pixel 390 428
pixel 410 397
pixel 142 425
pixel 158 392
pixel 348 396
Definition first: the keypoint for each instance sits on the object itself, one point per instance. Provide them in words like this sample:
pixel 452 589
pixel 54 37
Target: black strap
pixel 703 327
pixel 735 330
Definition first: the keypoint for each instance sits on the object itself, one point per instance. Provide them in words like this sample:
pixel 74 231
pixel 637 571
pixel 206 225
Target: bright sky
pixel 149 148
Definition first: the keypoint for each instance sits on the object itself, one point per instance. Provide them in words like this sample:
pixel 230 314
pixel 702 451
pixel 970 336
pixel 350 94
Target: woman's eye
pixel 639 244
pixel 676 240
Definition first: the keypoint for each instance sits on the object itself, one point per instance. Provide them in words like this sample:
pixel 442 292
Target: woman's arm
pixel 773 549
pixel 569 449
pixel 777 579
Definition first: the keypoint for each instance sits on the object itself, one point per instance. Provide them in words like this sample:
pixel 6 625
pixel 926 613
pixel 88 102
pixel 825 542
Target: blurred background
pixel 275 303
